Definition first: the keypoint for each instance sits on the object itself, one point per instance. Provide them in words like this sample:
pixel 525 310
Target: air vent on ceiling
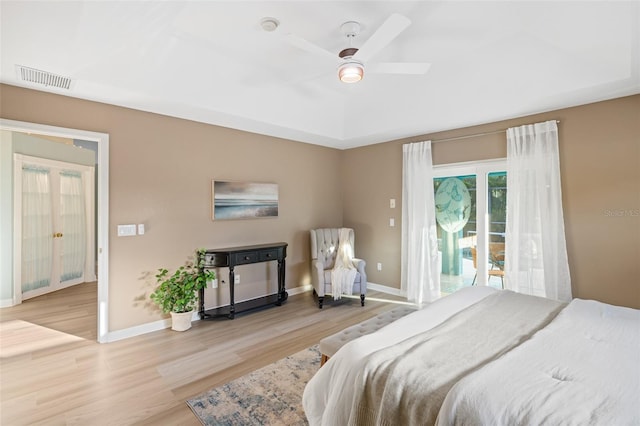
pixel 45 78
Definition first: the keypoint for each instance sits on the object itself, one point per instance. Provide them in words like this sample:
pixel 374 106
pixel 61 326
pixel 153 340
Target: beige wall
pixel 160 175
pixel 600 168
pixel 161 170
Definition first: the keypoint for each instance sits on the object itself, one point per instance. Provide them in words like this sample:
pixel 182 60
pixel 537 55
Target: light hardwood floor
pixel 52 371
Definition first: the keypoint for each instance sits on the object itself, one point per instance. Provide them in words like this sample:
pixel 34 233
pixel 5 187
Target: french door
pixel 470 202
pixel 54 223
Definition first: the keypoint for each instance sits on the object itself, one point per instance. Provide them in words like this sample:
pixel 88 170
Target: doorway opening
pixel 102 218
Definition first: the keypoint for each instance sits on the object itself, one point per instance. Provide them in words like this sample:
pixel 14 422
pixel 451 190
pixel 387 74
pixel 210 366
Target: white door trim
pixel 103 205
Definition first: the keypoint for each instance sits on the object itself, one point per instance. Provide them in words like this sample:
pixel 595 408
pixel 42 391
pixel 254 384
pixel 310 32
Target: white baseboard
pixel 298 290
pixel 138 330
pixel 6 303
pixel 114 336
pixel 384 289
pixel 388 290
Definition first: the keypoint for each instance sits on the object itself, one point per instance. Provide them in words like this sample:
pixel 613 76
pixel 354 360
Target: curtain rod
pixel 475 135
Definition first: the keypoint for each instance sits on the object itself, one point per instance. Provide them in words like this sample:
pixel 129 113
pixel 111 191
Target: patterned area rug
pixel 269 396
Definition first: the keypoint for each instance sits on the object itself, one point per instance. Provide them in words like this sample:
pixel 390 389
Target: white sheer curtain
pixel 37 228
pixel 74 228
pixel 535 253
pixel 420 278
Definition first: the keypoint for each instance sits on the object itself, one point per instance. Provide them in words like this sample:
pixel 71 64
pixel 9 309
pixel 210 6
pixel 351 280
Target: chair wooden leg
pixel 320 300
pixel 362 299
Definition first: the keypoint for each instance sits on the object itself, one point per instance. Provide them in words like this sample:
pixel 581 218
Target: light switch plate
pixel 126 230
pixel 392 203
pixel 392 222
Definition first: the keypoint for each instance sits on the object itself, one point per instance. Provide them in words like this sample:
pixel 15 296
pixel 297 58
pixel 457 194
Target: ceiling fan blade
pixel 304 44
pixel 415 68
pixel 389 30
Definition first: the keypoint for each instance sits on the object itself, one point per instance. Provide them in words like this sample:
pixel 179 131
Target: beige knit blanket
pixel 405 384
pixel 344 273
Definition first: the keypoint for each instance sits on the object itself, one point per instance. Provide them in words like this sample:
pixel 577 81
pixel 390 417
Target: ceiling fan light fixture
pixel 351 71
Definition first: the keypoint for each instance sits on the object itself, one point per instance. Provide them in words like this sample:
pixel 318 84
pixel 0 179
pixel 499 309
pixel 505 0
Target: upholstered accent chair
pixel 324 248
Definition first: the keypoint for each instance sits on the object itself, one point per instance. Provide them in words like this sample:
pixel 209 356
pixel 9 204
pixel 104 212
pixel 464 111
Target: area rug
pixel 269 396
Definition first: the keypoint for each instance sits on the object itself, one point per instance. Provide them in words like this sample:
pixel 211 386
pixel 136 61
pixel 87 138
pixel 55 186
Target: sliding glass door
pixel 470 202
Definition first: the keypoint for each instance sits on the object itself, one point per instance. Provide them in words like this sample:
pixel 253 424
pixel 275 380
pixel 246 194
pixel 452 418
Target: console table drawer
pixel 215 260
pixel 268 255
pixel 247 257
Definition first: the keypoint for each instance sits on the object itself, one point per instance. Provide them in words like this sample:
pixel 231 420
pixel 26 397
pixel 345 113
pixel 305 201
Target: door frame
pixel 102 237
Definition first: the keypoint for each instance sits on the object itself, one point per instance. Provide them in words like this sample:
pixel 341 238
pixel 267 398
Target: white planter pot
pixel 181 321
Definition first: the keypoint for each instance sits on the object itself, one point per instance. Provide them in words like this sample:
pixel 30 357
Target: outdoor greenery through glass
pixel 497 205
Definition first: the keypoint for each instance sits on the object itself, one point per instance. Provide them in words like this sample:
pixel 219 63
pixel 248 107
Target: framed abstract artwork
pixel 243 200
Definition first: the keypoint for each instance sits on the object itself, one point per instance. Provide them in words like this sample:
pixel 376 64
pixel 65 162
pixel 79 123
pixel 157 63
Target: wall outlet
pixel 379 266
pixel 236 279
pixel 392 222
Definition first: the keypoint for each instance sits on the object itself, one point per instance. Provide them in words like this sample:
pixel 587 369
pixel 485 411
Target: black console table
pixel 245 255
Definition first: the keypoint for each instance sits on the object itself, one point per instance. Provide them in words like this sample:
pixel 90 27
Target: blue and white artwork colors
pixel 244 200
pixel 453 205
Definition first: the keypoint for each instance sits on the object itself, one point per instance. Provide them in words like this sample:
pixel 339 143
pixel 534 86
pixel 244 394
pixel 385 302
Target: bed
pixel 485 356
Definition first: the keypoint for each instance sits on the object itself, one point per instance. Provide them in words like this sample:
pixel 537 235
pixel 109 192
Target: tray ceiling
pixel 213 62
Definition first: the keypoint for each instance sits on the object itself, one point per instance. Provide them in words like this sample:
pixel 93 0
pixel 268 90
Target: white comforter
pixel 328 395
pixel 582 369
pixel 405 384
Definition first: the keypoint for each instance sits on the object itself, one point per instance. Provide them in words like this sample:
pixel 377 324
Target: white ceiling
pixel 211 61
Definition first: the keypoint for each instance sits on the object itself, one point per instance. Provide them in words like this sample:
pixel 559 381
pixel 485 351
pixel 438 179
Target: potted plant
pixel 177 293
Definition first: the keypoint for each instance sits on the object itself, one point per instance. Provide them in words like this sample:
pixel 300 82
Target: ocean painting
pixel 244 200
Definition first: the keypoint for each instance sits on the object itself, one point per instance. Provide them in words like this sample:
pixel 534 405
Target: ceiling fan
pixel 352 60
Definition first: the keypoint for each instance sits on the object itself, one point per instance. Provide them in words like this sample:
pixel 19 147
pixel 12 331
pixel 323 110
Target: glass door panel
pixel 455 202
pixel 497 216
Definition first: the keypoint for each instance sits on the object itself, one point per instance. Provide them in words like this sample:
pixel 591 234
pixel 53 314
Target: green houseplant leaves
pixel 178 292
